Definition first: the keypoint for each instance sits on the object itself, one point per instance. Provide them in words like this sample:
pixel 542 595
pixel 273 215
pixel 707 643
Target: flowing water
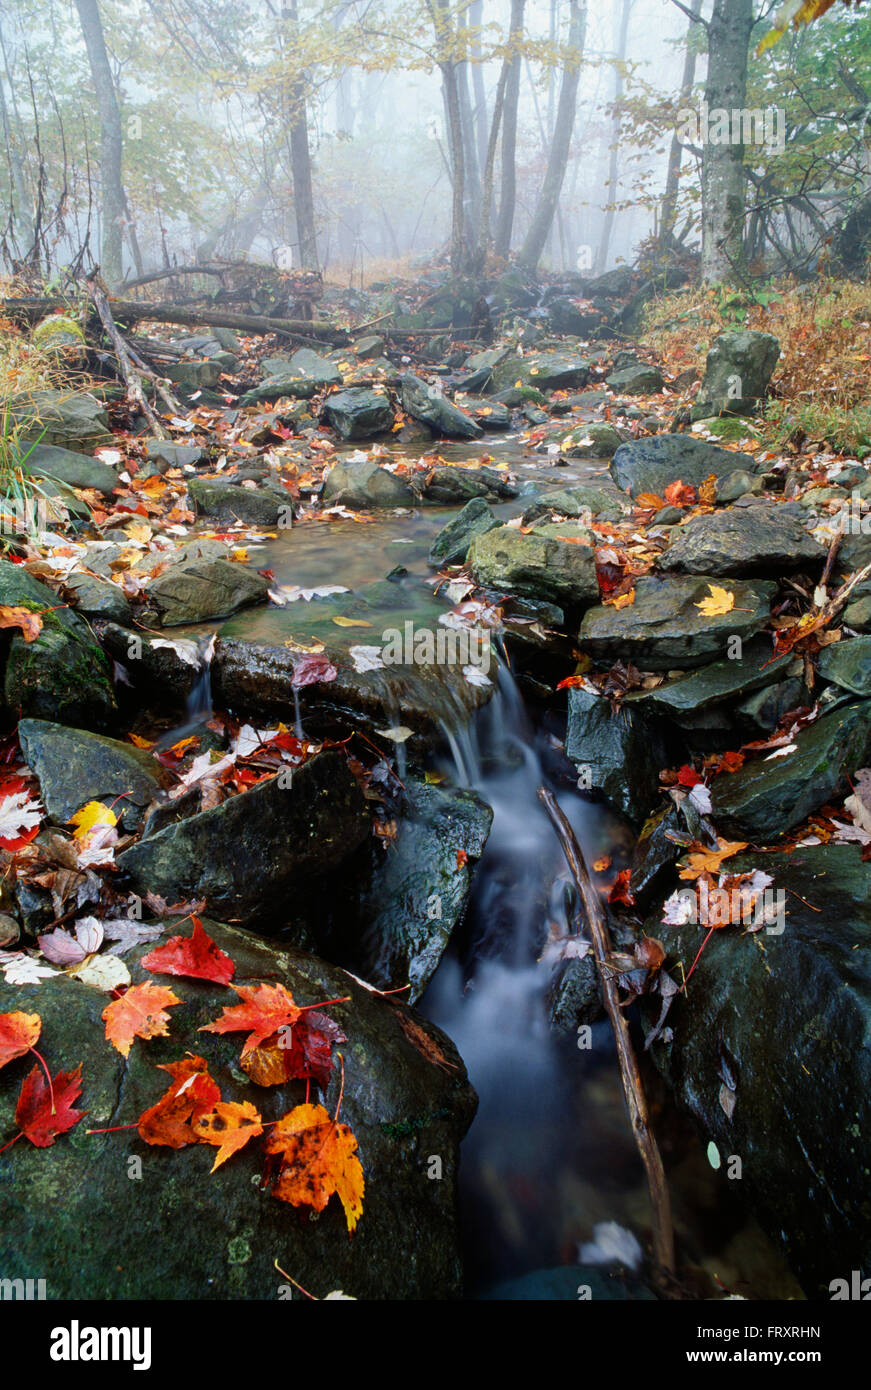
pixel 550 1154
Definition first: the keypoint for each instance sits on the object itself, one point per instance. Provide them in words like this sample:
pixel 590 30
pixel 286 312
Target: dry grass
pixel 822 385
pixel 373 271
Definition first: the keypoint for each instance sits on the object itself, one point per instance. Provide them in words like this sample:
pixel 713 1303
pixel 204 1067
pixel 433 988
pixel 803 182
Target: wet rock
pixel 655 854
pixel 70 419
pixel 766 798
pixel 848 664
pixel 451 545
pixel 362 486
pixel 197 591
pixel 734 485
pixel 69 467
pixel 569 318
pixel 737 372
pixel 359 413
pixel 232 502
pixel 159 667
pixel 371 345
pixel 450 485
pixel 535 566
pixel 426 404
pixel 303 375
pixel 665 628
pixel 586 441
pixel 172 455
pixel 596 499
pixel 74 767
pixel 621 751
pixel 246 856
pixel 547 371
pixel 196 376
pixel 788 1019
pixel 649 465
pixel 573 998
pixel 406 1096
pixel 613 284
pixel 748 540
pixel 62 675
pixel 695 699
pixel 418 895
pixel 637 380
pixel 97 598
pixel 493 416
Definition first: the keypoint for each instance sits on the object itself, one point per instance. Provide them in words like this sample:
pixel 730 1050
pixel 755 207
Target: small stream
pixel 550 1154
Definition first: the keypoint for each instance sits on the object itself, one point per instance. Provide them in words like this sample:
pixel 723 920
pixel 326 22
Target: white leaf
pixel 680 908
pixel 366 658
pixel 107 973
pixel 398 733
pixel 18 814
pixel 21 969
pixel 612 1244
pixel 184 649
pixel 701 798
pixel 781 752
pixel 475 676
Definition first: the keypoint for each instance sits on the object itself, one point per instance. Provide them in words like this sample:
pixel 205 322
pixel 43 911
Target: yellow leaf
pixel 240 555
pixel 138 531
pixel 709 860
pixel 718 602
pixel 350 622
pixel 95 813
pixel 624 600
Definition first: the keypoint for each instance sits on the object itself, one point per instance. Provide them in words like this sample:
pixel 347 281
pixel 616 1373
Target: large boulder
pixel 160 668
pixel 69 467
pixel 359 413
pixel 705 697
pixel 427 404
pixel 195 1236
pixel 71 419
pixel 665 627
pixel 247 856
pixel 600 498
pixel 62 675
pixel 762 539
pixel 97 598
pixel 546 371
pixel 75 766
pixel 303 375
pixel 364 485
pixel 535 566
pixel 232 502
pixel 771 1054
pixel 649 465
pixel 450 485
pixel 768 797
pixel 198 591
pixel 737 372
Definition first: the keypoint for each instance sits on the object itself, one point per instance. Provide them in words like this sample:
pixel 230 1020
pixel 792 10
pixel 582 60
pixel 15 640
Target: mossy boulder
pixel 451 545
pixel 649 465
pixel 762 539
pixel 71 419
pixel 535 566
pixel 75 766
pixel 67 1211
pixel 63 675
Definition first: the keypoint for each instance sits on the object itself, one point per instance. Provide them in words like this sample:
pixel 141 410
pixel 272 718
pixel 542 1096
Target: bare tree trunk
pixel 548 198
pixel 470 151
pixel 22 216
pixel 723 200
pixel 668 207
pixel 505 222
pixel 300 161
pixel 111 143
pixel 479 112
pixel 440 14
pixel 489 168
pixel 611 211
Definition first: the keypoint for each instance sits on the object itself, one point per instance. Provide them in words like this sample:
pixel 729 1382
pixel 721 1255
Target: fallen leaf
pixel 295 1052
pixel 29 623
pixel 709 860
pixel 196 956
pixel 20 816
pixel 229 1126
pixel 193 1093
pixel 140 1013
pixel 42 1113
pixel 318 1158
pixel 718 602
pixel 18 1033
pixel 264 1009
pixel 107 973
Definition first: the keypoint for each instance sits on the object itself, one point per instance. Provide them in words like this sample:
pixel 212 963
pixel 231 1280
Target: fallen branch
pixel 132 311
pixel 633 1089
pixel 167 272
pixel 135 392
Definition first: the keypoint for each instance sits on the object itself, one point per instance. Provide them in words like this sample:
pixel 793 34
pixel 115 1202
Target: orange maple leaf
pixel 229 1126
pixel 29 623
pixel 138 1014
pixel 18 1033
pixel 318 1158
pixel 193 1093
pixel 264 1009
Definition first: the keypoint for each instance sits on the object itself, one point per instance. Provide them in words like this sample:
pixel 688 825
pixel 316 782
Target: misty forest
pixel 435 650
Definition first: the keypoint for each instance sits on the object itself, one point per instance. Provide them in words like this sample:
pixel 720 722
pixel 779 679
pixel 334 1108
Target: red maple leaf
pixel 312 669
pixel 264 1009
pixel 193 1093
pixel 196 956
pixel 18 1033
pixel 44 1112
pixel 688 777
pixel 297 1052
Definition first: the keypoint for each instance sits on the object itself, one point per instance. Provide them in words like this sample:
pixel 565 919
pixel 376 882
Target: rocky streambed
pixel 316 681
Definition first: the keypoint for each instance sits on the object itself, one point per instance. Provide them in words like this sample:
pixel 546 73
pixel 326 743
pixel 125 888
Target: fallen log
pixel 131 311
pixel 131 377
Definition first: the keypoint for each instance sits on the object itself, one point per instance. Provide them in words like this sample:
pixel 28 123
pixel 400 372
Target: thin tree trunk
pixel 611 211
pixel 300 162
pixel 489 168
pixel 111 142
pixel 668 207
pixel 548 199
pixel 723 163
pixel 507 198
pixel 470 151
pixel 440 14
pixel 479 112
